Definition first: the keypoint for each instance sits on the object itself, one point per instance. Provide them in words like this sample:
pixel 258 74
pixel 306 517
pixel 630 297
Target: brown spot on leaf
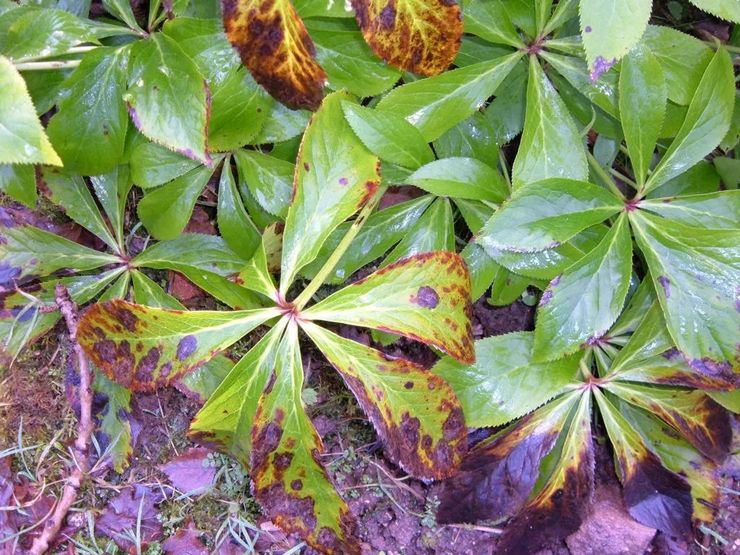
pixel 426 297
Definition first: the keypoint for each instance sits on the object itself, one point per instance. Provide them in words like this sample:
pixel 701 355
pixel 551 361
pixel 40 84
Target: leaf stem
pixel 342 247
pixel 41 66
pixel 599 170
pixel 624 178
pixel 716 44
pixel 73 50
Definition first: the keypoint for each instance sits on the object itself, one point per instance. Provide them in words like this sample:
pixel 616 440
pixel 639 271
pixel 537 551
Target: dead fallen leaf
pixel 188 473
pixel 122 514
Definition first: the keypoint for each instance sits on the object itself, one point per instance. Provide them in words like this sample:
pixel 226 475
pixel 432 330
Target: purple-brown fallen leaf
pixel 188 472
pixel 121 514
pixel 186 541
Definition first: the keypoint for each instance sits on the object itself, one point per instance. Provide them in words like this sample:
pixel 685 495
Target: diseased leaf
pixel 642 100
pixel 22 139
pixel 168 98
pixel 116 433
pixel 579 306
pixel 559 508
pixel 460 177
pixel 550 145
pixel 144 348
pixel 654 495
pixel 697 417
pixel 505 382
pixel 420 36
pixel 288 478
pixel 707 122
pixel 388 136
pixel 425 297
pixel 334 176
pixel 438 103
pixel 680 457
pixel 27 251
pixel 89 130
pixel 166 211
pixel 697 268
pixel 719 210
pixel 498 475
pixel 542 215
pixel 226 419
pixel 428 441
pixel 234 224
pixel 273 43
pixel 610 29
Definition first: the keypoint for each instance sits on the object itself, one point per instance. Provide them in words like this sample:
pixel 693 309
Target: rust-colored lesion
pixel 421 36
pixel 274 44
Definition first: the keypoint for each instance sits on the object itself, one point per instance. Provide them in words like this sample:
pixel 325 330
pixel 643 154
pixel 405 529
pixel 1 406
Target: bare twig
pixel 80 461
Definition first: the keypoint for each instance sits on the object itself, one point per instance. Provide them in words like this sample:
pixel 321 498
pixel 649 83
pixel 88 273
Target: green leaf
pixel 610 29
pixel 287 476
pixel 683 58
pixel 642 101
pixel 720 210
pixel 459 177
pixel 697 268
pixel 89 130
pixel 166 211
pixel 19 183
pixel 227 417
pixel 30 32
pixel 282 124
pixel 22 139
pixel 561 505
pixel 145 348
pixel 71 192
pixel 26 251
pixel 122 10
pixel 196 250
pixel 701 178
pixel 239 110
pixel 505 382
pixel 234 223
pixel 543 215
pixel 434 231
pixel 425 297
pixel 115 435
pixel 386 390
pixel 474 137
pixel 483 269
pixel 388 136
pixel 490 21
pixel 111 190
pixel 550 145
pixel 382 230
pixel 255 276
pixel 507 111
pixel 335 176
pixel 269 180
pixel 438 103
pixel 690 412
pixel 579 306
pixel 347 59
pixel 148 292
pixel 726 9
pixel 492 482
pixel 707 121
pixel 654 495
pixel 171 111
pixel 153 165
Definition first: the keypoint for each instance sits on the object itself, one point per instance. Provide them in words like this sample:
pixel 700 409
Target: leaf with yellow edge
pixel 143 348
pixel 429 440
pixel 425 297
pixel 273 43
pixel 288 478
pixel 421 36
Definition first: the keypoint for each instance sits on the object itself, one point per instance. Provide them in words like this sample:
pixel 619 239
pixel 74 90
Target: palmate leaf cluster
pixel 610 205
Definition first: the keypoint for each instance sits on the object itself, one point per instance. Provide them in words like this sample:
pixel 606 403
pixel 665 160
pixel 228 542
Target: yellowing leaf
pixel 425 297
pixel 421 36
pixel 428 441
pixel 274 44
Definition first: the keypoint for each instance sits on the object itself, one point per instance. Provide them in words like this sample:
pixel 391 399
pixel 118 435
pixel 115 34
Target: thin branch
pixel 80 462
